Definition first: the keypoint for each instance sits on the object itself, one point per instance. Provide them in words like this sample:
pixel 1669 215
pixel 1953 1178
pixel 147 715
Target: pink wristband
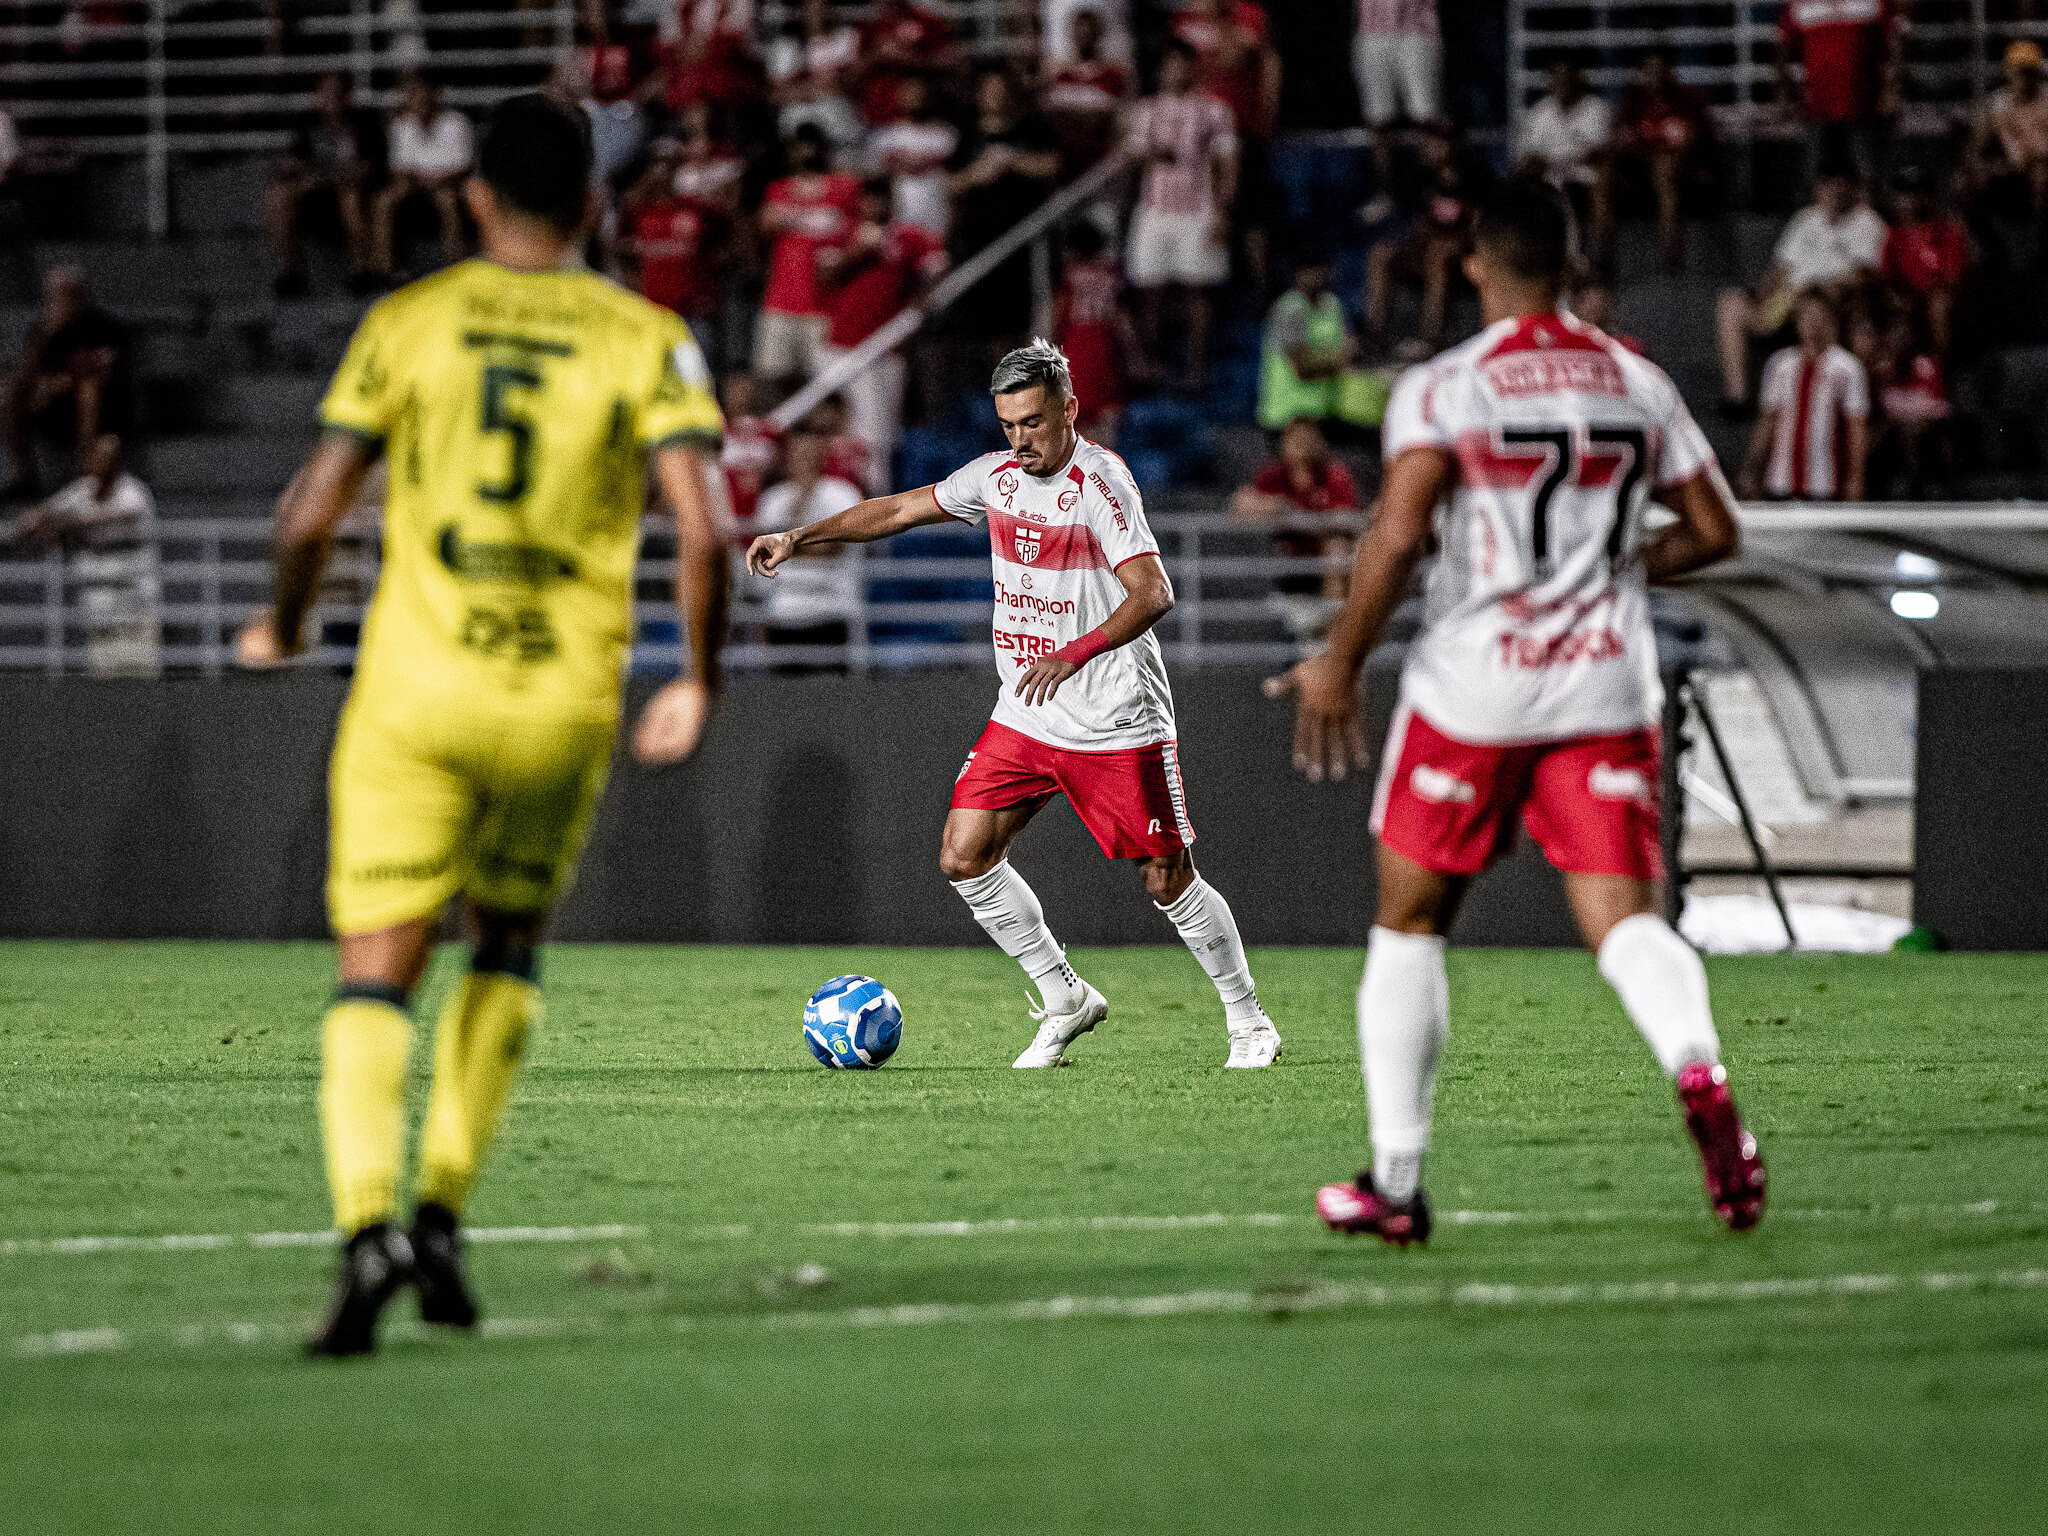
pixel 1078 653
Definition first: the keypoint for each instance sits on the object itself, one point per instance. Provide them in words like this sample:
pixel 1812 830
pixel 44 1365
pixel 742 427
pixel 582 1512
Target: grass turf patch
pixel 735 1360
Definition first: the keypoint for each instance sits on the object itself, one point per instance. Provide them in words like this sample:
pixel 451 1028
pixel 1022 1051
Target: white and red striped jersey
pixel 1192 131
pixel 1537 611
pixel 1814 397
pixel 1058 541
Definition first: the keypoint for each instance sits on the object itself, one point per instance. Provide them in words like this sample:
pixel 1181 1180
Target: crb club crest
pixel 1028 543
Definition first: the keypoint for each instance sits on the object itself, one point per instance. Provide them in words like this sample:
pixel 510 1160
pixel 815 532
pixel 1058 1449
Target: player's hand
pixel 768 551
pixel 1327 737
pixel 671 725
pixel 257 648
pixel 1043 678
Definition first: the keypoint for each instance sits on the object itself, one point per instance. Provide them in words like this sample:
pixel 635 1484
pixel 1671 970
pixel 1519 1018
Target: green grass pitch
pixel 1582 1349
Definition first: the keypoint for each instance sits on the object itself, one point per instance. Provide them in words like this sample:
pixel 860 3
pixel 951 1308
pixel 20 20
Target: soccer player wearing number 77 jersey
pixel 1083 708
pixel 1530 454
pixel 520 400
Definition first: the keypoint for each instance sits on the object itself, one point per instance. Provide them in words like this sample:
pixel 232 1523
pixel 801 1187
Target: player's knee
pixel 1167 880
pixel 958 863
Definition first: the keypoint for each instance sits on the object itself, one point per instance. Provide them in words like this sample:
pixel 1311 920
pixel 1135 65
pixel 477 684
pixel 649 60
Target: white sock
pixel 1009 913
pixel 1206 926
pixel 1404 1016
pixel 1664 988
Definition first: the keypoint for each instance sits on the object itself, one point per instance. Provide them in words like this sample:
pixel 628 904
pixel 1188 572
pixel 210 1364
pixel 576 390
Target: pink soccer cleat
pixel 1734 1170
pixel 1357 1207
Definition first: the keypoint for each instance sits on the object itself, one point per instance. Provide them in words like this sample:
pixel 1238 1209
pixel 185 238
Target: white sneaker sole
pixel 1087 1016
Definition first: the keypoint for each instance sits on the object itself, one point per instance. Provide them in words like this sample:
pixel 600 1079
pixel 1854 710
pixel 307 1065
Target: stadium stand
pixel 149 141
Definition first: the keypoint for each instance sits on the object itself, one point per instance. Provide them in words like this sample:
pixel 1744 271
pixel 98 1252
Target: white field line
pixel 206 1242
pixel 1002 1227
pixel 1319 1296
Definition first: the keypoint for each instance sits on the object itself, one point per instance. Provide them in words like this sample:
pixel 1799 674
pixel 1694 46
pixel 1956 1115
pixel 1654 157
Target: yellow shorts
pixel 430 795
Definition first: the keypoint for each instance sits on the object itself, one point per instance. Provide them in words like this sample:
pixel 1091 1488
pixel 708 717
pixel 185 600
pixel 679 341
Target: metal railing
pixel 167 82
pixel 1729 49
pixel 921 610
pixel 905 611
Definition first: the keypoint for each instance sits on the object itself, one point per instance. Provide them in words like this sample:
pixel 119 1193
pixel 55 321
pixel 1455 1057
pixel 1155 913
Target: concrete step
pixel 266 404
pixel 235 463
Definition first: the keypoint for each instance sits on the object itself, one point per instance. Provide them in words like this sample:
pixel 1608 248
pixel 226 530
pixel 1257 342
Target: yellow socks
pixel 478 1044
pixel 364 1043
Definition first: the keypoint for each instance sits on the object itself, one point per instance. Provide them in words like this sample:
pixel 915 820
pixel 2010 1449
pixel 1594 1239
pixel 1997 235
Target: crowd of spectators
pixel 792 195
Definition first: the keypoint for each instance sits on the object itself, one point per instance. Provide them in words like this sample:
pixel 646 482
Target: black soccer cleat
pixel 437 1268
pixel 375 1263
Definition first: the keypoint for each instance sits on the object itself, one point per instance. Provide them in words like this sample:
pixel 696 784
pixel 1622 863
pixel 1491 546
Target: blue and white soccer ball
pixel 853 1022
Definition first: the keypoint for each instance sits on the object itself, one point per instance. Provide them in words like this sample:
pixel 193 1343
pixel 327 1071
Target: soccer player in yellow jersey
pixel 519 400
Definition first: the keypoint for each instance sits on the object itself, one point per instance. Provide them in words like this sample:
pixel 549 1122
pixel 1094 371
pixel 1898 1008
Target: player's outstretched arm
pixel 308 512
pixel 672 724
pixel 1327 738
pixel 1705 531
pixel 1148 598
pixel 863 523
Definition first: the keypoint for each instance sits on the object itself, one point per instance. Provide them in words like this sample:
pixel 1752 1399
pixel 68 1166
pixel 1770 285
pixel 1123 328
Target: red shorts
pixel 1130 801
pixel 1591 804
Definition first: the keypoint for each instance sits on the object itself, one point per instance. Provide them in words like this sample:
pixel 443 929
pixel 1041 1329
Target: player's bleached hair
pixel 1039 363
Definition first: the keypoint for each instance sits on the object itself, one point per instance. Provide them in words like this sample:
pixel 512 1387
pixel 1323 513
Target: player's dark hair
pixel 1525 227
pixel 536 158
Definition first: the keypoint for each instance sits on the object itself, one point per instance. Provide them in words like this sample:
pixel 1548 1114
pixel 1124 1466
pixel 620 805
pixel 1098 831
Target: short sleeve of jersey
pixel 364 399
pixel 1855 387
pixel 1776 392
pixel 1686 450
pixel 681 407
pixel 961 493
pixel 1115 511
pixel 1415 414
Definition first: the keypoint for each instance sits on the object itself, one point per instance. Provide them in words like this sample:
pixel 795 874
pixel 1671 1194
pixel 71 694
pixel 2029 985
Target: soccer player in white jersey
pixel 1528 457
pixel 1083 708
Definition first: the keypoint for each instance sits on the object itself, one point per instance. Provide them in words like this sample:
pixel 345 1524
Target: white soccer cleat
pixel 1254 1045
pixel 1057 1031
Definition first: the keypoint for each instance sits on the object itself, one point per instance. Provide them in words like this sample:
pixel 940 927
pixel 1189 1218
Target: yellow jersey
pixel 517 410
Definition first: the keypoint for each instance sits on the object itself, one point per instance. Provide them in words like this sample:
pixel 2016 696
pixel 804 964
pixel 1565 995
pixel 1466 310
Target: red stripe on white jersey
pixel 1047 546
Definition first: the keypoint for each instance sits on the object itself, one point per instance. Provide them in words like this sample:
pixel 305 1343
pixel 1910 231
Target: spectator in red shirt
pixel 1913 406
pixel 883 270
pixel 846 457
pixel 1237 64
pixel 1666 137
pixel 1853 51
pixel 750 455
pixel 714 66
pixel 899 39
pixel 807 212
pixel 1301 495
pixel 1084 94
pixel 1091 327
pixel 1926 253
pixel 675 243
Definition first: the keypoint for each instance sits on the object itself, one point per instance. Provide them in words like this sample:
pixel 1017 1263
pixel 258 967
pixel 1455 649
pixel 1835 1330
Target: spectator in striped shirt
pixel 1813 430
pixel 1180 235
